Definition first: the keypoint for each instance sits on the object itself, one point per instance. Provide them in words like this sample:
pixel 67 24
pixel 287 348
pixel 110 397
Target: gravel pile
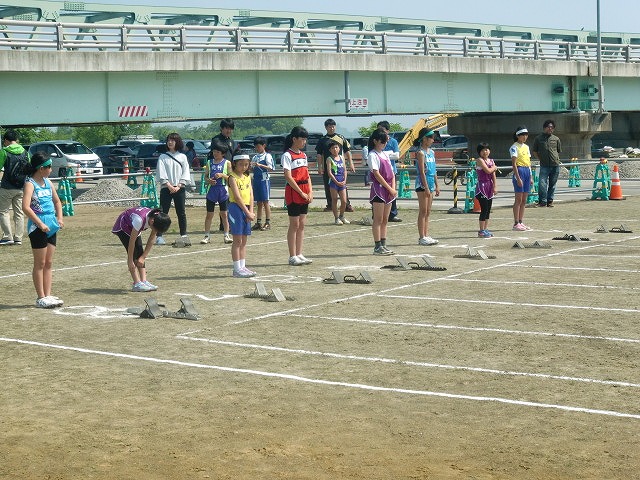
pixel 112 189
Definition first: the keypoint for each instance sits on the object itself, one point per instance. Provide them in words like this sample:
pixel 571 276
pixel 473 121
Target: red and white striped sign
pixel 133 111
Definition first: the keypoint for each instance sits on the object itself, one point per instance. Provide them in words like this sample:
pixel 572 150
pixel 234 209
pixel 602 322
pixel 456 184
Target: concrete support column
pixel 575 130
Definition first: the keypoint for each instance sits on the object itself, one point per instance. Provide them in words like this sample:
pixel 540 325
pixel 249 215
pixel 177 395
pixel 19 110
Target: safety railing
pixel 25 35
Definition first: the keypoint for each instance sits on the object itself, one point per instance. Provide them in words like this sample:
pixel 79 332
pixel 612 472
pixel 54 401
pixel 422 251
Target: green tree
pixel 27 136
pixel 368 130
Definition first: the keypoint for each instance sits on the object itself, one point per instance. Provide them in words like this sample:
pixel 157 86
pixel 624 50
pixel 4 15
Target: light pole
pixel 600 85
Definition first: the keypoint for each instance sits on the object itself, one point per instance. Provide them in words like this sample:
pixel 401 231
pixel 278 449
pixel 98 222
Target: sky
pixel 615 16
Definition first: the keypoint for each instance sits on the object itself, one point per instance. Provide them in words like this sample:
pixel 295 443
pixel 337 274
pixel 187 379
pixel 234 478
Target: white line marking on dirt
pixel 472 329
pixel 541 284
pixel 520 304
pixel 297 378
pixel 588 269
pixel 208 299
pixel 408 362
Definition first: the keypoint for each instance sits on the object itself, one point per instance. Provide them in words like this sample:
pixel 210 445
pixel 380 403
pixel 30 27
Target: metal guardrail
pixel 26 35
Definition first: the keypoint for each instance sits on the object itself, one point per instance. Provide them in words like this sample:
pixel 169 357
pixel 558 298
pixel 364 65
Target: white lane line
pixel 408 362
pixel 541 284
pixel 520 304
pixel 471 329
pixel 317 381
pixel 588 269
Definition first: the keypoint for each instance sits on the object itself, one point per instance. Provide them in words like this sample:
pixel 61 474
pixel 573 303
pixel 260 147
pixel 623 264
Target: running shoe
pixel 387 251
pixel 338 221
pixel 205 240
pixel 54 301
pixel 242 273
pixel 7 241
pixel 381 251
pixel 482 234
pixel 150 285
pixel 256 226
pixel 304 259
pixel 430 241
pixel 44 302
pixel 295 261
pixel 227 238
pixel 518 227
pixel 141 287
pixel 186 240
pixel 160 241
pixel 526 227
pixel 266 226
pixel 17 241
pixel 344 220
pixel 250 272
pixel 489 234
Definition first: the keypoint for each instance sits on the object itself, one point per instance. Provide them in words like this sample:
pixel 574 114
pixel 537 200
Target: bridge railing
pixel 25 35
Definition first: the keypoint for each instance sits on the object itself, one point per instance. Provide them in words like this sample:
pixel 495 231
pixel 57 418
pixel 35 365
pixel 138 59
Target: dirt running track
pixel 522 366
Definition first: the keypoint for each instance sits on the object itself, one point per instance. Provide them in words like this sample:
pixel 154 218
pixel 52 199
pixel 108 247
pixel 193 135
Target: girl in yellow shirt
pixel 240 213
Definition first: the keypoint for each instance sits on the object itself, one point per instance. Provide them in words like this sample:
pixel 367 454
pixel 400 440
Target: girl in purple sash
pixel 485 188
pixel 383 190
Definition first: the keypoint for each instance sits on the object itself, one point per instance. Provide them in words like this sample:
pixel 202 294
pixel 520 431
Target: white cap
pixel 240 157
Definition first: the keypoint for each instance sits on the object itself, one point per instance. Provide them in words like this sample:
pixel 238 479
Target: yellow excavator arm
pixel 434 122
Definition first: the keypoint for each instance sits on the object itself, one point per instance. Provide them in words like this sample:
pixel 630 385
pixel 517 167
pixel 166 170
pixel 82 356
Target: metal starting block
pixel 572 238
pixel 535 244
pixel 405 264
pixel 601 229
pixel 620 229
pixel 334 278
pixel 156 310
pixel 363 277
pixel 187 311
pixel 475 254
pixel 259 292
pixel 181 242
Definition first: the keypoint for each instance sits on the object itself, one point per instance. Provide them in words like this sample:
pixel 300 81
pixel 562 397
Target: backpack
pixel 14 168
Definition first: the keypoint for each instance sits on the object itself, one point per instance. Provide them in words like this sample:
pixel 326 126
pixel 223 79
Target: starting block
pixel 259 292
pixel 535 244
pixel 601 229
pixel 181 242
pixel 620 229
pixel 363 277
pixel 475 254
pixel 335 278
pixel 156 310
pixel 187 311
pixel 572 238
pixel 405 264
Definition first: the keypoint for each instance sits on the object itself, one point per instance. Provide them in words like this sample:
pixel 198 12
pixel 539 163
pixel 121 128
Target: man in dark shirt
pixel 322 150
pixel 547 149
pixel 226 130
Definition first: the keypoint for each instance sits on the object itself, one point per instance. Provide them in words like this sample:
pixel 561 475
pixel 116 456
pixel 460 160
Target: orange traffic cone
pixel 476 205
pixel 125 169
pixel 616 188
pixel 78 177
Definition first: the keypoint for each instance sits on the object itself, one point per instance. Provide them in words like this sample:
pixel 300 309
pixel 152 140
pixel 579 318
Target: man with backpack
pixel 13 158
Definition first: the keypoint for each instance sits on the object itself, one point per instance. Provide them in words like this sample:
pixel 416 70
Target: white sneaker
pixel 295 261
pixel 54 301
pixel 205 240
pixel 304 259
pixel 141 287
pixel 150 285
pixel 227 238
pixel 44 302
pixel 428 241
pixel 338 222
pixel 160 241
pixel 344 220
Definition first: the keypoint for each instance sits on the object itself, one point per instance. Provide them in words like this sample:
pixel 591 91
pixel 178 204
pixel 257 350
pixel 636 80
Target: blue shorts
pixel 238 223
pixel 217 195
pixel 261 191
pixel 525 176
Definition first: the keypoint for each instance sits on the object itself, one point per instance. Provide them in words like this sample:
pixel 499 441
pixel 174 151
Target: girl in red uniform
pixel 298 192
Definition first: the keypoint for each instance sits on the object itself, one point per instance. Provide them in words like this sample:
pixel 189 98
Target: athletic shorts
pixel 238 223
pixel 261 191
pixel 525 176
pixel 138 250
pixel 297 209
pixel 217 195
pixel 39 239
pixel 377 199
pixel 211 205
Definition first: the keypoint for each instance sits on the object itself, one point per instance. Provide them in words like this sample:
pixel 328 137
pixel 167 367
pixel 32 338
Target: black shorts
pixel 297 209
pixel 39 239
pixel 211 205
pixel 138 250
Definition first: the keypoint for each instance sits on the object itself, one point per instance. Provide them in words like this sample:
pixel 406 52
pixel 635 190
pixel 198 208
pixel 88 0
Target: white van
pixel 69 153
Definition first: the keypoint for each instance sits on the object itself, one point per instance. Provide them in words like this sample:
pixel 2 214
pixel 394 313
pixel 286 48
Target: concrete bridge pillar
pixel 575 130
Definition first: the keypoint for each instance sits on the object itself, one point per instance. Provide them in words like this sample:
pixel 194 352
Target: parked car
pixel 458 146
pixel 113 158
pixel 69 153
pixel 146 154
pixel 135 140
pixel 198 146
